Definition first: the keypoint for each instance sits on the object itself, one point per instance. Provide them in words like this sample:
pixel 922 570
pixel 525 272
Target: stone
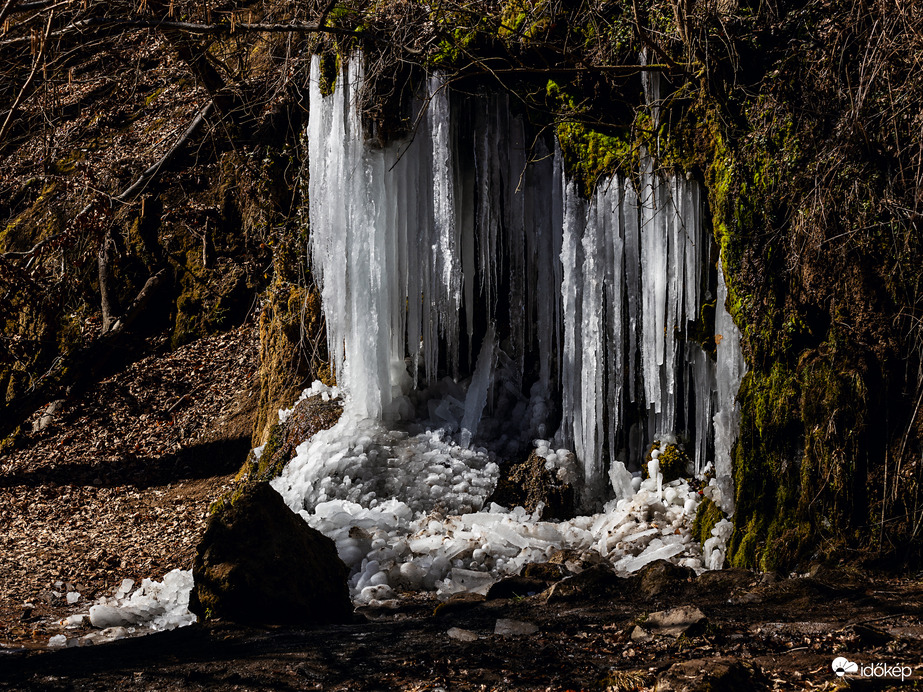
pixel 576 561
pixel 675 621
pixel 595 582
pixel 528 483
pixel 724 580
pixel 514 628
pixel 308 417
pixel 661 578
pixel 641 635
pixel 720 674
pixel 545 571
pixel 462 635
pixel 260 563
pixel 458 603
pixel 513 587
pixel 863 637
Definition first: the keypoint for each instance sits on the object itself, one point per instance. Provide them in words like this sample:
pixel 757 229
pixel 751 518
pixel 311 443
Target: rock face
pixel 526 483
pixel 260 563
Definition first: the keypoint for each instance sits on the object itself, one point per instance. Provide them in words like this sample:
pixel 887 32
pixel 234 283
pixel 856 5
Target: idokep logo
pixel 841 666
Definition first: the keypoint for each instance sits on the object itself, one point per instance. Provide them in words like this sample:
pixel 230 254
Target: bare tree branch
pixel 24 92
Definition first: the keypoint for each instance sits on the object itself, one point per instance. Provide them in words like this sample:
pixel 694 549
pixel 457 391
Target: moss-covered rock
pixel 293 351
pixel 527 483
pixel 309 416
pixel 707 516
pixel 259 562
pixel 673 460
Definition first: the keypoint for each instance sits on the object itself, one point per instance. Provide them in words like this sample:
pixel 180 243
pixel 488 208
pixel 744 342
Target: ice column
pixel 633 266
pixel 581 301
pixel 386 257
pixel 730 369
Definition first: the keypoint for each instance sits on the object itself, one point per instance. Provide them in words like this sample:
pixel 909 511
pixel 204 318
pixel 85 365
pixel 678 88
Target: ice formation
pixel 435 540
pixel 154 606
pixel 477 305
pixel 468 240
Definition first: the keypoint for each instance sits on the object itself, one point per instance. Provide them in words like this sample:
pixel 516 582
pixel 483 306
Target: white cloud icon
pixel 841 666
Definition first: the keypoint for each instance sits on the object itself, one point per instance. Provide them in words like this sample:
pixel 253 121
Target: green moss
pixel 590 155
pixel 673 461
pixel 707 517
pixel 153 96
pixel 329 71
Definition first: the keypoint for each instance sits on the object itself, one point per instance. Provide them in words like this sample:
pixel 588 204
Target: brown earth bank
pixel 752 632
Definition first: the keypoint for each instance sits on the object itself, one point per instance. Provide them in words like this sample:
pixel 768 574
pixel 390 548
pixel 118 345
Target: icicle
pixel 476 399
pixel 446 260
pixel 572 363
pixel 730 370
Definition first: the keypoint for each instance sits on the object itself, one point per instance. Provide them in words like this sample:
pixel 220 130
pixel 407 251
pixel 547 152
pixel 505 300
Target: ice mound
pixel 403 511
pixel 364 462
pixel 154 605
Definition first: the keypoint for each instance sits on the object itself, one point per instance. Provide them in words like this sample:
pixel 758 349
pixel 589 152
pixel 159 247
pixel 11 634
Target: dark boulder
pixel 662 578
pixel 596 582
pixel 260 563
pixel 721 674
pixel 516 587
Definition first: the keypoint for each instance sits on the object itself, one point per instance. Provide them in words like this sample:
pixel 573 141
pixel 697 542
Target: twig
pixel 5 10
pixel 28 85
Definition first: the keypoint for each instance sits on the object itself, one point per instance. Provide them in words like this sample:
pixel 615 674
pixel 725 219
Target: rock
pixel 512 587
pixel 590 583
pixel 575 561
pixel 641 635
pixel 724 580
pixel 662 578
pixel 863 637
pixel 545 571
pixel 527 483
pixel 675 621
pixel 47 415
pixel 711 675
pixel 308 417
pixel 459 602
pixel 514 628
pixel 462 635
pixel 259 562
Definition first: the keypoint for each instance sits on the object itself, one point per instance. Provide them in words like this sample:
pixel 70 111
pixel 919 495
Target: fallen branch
pixel 199 28
pixel 154 170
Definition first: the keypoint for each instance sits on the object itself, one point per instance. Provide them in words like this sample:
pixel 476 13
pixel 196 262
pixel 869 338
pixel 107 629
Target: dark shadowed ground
pixel 781 635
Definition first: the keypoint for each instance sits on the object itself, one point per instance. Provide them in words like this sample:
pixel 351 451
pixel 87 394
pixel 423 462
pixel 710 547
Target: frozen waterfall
pixel 465 252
